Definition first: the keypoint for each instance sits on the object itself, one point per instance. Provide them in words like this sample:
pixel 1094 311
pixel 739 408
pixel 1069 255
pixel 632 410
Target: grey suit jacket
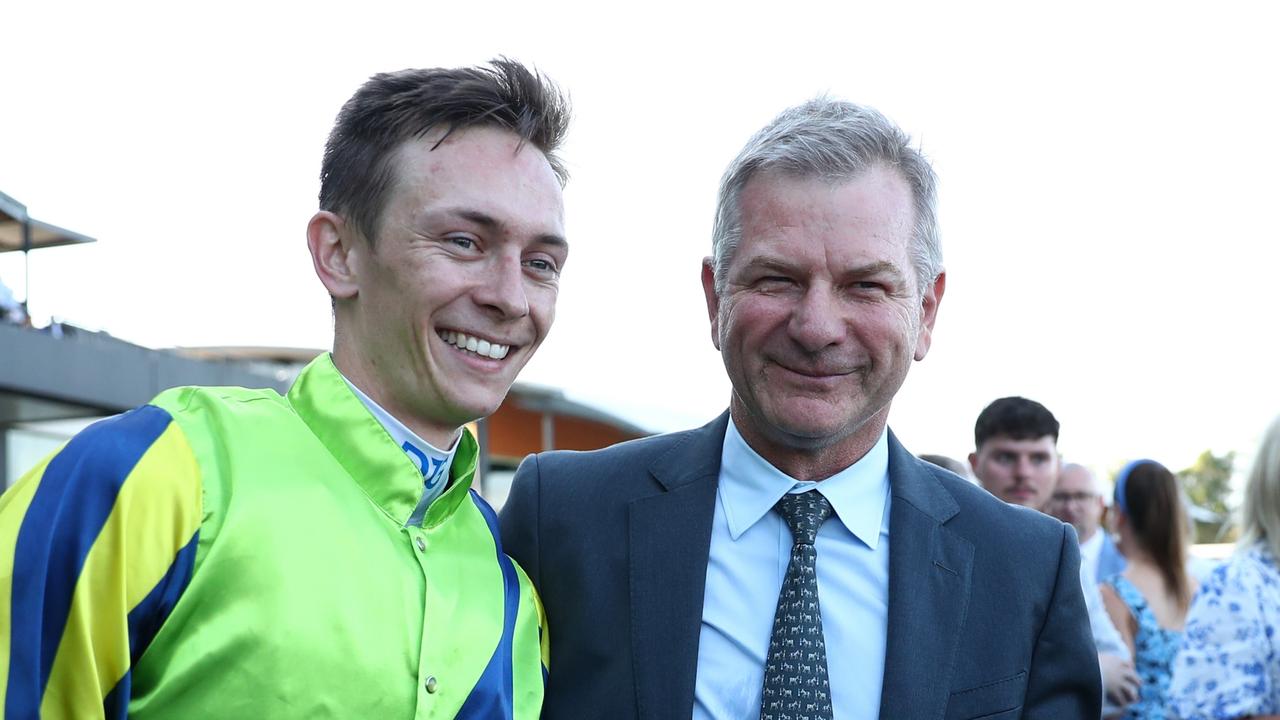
pixel 986 617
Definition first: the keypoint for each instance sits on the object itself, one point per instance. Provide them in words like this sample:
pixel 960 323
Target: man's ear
pixel 929 303
pixel 330 242
pixel 713 300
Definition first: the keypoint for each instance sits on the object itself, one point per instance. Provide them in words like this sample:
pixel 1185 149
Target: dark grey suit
pixel 986 617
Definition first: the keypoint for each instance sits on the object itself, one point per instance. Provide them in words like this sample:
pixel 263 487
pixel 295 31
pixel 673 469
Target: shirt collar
pixel 750 487
pixel 326 403
pixel 431 460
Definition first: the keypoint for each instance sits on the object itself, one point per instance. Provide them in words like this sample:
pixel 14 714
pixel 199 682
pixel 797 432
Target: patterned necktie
pixel 795 676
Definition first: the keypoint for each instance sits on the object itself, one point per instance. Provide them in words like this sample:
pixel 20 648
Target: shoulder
pixel 1021 547
pixel 136 467
pixel 630 454
pixel 192 403
pixel 1249 572
pixel 143 442
pixel 982 515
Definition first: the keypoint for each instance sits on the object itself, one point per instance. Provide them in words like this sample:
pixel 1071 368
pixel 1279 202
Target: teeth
pixel 483 348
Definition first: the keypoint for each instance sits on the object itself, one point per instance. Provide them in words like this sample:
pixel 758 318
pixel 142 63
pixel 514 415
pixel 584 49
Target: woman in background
pixel 1148 601
pixel 1229 663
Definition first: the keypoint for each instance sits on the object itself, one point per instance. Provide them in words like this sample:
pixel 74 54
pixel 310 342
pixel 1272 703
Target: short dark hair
pixel 392 108
pixel 1016 418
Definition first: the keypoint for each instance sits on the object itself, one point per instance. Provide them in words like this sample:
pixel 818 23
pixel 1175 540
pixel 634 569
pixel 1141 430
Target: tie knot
pixel 804 513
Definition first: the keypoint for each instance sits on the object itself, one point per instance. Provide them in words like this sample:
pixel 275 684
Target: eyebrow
pixel 767 262
pixel 491 223
pixel 881 267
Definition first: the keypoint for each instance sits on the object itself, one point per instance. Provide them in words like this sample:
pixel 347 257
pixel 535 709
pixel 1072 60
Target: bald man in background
pixel 1078 500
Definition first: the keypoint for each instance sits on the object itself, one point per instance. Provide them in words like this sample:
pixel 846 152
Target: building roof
pixel 13 215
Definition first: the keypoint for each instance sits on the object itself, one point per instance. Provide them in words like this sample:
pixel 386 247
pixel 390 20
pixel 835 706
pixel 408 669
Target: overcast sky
pixel 1108 185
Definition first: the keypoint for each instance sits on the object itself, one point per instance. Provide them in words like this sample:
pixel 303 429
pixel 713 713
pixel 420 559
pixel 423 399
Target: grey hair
pixel 835 141
pixel 1260 513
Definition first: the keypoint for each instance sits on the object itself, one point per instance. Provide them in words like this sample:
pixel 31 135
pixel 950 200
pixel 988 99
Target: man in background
pixel 1016 459
pixel 1015 453
pixel 1078 501
pixel 232 553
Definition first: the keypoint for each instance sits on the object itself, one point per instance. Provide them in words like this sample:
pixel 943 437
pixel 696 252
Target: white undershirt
pixel 430 460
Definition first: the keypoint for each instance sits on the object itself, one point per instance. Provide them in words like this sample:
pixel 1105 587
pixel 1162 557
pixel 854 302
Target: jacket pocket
pixel 989 701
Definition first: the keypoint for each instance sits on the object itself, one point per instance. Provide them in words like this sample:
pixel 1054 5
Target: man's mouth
pixel 817 373
pixel 474 345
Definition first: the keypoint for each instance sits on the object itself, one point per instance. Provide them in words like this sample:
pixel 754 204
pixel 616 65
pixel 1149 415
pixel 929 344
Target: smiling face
pixel 459 288
pixel 821 315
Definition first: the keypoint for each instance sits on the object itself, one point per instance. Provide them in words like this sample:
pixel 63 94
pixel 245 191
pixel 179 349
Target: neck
pixel 440 436
pixel 1085 536
pixel 803 458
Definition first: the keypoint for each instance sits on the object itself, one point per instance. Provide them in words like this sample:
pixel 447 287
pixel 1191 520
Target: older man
pixel 223 552
pixel 791 558
pixel 1078 501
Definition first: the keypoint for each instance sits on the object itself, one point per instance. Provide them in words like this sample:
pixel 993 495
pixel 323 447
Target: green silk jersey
pixel 232 553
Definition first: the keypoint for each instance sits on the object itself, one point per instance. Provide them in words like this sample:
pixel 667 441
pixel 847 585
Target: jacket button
pixel 422 545
pixel 431 683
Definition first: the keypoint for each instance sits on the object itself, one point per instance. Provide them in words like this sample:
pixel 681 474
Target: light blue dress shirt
pixel 750 549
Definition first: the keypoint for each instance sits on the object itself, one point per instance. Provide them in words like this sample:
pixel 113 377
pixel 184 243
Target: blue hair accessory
pixel 1123 478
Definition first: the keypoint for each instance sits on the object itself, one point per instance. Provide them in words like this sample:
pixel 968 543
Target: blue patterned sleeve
pixel 1227 666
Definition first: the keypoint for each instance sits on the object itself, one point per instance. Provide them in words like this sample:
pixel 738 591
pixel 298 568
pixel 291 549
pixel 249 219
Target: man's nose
pixel 1024 467
pixel 501 289
pixel 817 320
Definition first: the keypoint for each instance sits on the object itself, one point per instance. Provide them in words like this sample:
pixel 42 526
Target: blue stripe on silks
pixel 116 705
pixel 492 696
pixel 71 504
pixel 145 621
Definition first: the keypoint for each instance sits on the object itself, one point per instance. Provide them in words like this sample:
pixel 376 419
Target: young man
pixel 224 552
pixel 791 558
pixel 1015 453
pixel 1016 459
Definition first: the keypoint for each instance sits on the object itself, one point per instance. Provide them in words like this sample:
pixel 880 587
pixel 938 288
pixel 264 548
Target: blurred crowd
pixel 1176 637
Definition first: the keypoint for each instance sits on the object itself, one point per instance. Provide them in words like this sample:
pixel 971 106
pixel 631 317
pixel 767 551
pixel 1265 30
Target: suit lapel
pixel 670 538
pixel 929 584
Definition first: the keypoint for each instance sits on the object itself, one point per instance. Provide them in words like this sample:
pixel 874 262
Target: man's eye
pixel 542 266
pixel 465 243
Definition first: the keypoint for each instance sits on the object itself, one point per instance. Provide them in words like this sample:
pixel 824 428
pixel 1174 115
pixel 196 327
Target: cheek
pixel 542 307
pixel 748 323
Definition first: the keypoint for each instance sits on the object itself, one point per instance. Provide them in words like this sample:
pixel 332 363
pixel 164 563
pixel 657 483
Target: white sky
pixel 1108 185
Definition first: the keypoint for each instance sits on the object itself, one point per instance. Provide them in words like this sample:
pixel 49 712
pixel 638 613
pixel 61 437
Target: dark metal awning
pixel 20 232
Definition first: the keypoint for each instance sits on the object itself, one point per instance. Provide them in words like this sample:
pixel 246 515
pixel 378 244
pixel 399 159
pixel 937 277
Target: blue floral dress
pixel 1153 650
pixel 1229 663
